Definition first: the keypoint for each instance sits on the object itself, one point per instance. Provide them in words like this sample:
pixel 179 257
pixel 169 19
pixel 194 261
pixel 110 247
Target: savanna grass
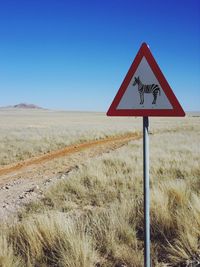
pixel 94 217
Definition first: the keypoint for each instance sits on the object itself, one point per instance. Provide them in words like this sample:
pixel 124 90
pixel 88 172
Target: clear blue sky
pixel 73 55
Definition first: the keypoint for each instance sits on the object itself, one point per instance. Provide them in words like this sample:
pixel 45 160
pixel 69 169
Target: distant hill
pixel 24 106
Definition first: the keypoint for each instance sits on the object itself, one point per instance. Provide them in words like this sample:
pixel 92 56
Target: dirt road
pixel 27 180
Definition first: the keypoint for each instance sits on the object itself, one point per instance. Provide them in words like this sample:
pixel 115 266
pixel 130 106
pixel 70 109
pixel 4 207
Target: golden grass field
pixel 94 217
pixel 25 133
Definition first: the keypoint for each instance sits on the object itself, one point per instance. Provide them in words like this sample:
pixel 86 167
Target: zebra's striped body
pixel 147 89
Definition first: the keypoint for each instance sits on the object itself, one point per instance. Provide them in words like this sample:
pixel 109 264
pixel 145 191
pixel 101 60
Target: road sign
pixel 145 91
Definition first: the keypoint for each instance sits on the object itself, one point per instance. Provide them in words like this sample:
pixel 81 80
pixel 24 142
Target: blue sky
pixel 73 55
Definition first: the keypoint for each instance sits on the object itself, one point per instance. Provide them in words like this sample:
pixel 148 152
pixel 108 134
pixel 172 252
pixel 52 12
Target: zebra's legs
pixel 141 98
pixel 155 93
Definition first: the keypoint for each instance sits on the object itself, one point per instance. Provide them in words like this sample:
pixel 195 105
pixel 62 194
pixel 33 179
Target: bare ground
pixel 27 180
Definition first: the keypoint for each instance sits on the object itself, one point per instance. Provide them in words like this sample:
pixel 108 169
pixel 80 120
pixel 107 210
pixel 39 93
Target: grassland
pixel 27 133
pixel 94 217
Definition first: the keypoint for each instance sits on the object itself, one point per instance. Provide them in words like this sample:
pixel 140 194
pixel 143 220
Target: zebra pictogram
pixel 146 89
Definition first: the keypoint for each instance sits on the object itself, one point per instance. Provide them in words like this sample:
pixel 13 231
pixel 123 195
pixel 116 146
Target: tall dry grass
pixel 94 217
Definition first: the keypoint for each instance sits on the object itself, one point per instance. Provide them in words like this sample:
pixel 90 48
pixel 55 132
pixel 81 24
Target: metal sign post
pixel 147 256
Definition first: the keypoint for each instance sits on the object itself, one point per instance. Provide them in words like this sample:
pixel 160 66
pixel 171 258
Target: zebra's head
pixel 137 81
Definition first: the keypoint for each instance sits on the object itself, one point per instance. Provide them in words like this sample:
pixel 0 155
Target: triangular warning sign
pixel 145 91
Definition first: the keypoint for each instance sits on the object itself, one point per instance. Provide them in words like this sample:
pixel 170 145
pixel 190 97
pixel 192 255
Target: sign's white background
pixel 131 97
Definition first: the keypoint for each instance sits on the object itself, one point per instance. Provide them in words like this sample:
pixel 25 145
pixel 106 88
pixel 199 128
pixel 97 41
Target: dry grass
pixel 27 133
pixel 52 240
pixel 94 217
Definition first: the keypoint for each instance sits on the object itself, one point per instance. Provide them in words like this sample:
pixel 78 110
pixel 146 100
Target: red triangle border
pixel 177 110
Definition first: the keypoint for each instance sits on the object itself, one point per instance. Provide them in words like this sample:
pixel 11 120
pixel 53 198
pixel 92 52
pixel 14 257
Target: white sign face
pixel 144 91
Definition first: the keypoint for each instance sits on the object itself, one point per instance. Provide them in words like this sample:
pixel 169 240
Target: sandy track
pixel 27 180
pixel 64 152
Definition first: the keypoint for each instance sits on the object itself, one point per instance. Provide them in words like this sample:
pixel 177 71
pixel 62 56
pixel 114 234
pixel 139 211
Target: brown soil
pixel 27 180
pixel 64 152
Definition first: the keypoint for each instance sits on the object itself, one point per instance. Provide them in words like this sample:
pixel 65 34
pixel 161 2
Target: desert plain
pixel 71 187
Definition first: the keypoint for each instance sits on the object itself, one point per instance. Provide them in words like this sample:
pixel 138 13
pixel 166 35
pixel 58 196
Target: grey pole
pixel 147 256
